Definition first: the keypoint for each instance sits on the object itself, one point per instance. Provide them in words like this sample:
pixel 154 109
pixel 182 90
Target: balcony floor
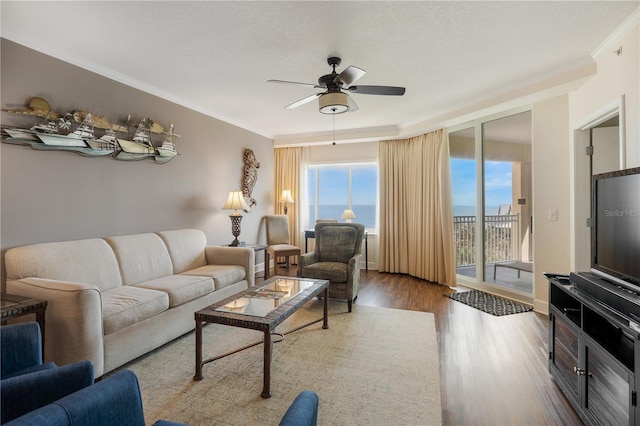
pixel 505 277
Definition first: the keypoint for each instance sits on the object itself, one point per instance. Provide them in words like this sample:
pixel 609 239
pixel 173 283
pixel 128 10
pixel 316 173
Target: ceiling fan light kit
pixel 334 103
pixel 334 100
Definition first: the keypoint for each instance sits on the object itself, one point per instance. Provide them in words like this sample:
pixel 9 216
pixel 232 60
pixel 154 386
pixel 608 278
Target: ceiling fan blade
pixel 349 75
pixel 353 107
pixel 292 83
pixel 303 101
pixel 377 90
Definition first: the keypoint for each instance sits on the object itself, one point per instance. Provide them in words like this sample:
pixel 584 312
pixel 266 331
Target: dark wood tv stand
pixel 594 352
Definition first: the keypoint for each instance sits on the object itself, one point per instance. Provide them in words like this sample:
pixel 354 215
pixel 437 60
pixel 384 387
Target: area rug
pixel 374 366
pixel 489 303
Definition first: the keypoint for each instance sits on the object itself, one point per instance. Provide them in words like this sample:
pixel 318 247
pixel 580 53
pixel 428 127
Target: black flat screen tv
pixel 615 235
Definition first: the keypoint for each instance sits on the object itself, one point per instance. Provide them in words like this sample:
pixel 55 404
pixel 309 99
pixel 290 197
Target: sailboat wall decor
pixel 91 135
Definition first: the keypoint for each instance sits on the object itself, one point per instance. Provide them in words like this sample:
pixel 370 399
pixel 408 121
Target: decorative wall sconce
pixel 347 215
pixel 286 198
pixel 235 202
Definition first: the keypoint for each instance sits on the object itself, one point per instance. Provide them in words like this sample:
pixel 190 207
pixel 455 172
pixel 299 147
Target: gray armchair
pixel 336 258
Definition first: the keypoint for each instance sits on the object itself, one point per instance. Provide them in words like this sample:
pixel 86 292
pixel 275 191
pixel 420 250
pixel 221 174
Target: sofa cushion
pixel 142 257
pixel 223 275
pixel 180 288
pixel 128 305
pixel 186 248
pixel 336 272
pixel 83 261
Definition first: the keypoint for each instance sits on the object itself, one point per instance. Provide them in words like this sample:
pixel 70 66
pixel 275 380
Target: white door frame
pixel 581 179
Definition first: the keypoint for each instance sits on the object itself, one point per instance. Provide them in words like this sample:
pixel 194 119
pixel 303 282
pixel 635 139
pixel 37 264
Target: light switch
pixel 553 215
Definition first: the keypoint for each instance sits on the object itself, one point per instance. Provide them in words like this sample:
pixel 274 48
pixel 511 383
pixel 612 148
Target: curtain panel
pixel 416 208
pixel 287 176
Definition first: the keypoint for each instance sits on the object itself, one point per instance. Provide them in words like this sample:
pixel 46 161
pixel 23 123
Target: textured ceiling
pixel 216 57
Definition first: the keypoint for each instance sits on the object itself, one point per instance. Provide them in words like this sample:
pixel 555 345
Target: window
pixel 333 188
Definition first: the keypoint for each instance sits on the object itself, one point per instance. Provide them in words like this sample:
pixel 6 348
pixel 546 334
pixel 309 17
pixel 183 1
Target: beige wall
pixel 553 160
pixel 551 188
pixel 343 152
pixel 618 75
pixel 53 196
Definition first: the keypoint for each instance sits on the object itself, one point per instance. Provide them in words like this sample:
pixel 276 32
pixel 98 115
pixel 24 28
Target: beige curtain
pixel 287 176
pixel 416 208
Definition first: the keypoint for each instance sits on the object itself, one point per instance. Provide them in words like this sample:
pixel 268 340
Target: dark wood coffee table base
pixel 265 324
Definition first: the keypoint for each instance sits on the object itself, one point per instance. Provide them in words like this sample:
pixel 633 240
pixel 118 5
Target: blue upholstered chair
pixel 303 410
pixel 21 350
pixel 26 382
pixel 116 401
pixel 113 401
pixel 36 393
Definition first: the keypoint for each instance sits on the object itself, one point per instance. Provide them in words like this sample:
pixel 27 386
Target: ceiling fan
pixel 334 100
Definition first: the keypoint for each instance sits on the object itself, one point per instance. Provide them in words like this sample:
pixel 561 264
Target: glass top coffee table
pixel 261 308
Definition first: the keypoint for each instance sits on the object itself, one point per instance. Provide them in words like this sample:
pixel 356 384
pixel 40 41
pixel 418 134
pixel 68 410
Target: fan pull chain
pixel 334 127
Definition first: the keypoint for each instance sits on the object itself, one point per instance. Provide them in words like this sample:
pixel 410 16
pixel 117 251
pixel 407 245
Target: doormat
pixel 489 303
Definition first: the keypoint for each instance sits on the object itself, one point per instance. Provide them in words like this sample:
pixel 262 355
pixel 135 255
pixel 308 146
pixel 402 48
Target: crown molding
pixel 121 78
pixel 611 42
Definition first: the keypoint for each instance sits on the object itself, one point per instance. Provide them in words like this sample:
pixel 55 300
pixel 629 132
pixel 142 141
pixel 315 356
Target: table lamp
pixel 347 215
pixel 286 198
pixel 235 202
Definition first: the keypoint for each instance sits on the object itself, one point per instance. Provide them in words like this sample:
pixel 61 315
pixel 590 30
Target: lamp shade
pixel 336 103
pixel 235 202
pixel 286 196
pixel 348 215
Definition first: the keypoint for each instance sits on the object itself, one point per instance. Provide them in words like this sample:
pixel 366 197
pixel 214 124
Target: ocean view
pixel 366 214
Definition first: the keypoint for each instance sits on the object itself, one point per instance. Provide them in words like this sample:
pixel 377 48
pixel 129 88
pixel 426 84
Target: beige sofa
pixel 111 300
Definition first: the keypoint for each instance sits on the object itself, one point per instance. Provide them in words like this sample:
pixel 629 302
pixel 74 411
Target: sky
pixel 463 180
pixel 335 182
pixel 497 182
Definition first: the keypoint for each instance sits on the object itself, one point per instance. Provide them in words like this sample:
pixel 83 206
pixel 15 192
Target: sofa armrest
pixel 244 256
pixel 73 318
pixel 28 392
pixel 303 411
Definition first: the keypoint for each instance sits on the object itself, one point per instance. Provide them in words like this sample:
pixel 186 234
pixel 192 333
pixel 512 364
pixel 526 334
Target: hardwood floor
pixel 493 369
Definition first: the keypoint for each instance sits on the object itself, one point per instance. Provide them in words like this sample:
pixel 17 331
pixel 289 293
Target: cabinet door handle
pixel 579 371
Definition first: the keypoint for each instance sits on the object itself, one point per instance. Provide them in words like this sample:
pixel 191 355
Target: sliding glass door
pixel 491 164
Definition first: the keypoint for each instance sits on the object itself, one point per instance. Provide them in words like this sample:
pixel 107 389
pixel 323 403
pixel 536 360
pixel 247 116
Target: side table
pixel 256 248
pixel 16 306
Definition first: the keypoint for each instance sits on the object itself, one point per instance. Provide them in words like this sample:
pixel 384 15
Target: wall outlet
pixel 553 215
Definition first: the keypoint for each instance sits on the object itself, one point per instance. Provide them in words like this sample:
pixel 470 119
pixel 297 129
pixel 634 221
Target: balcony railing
pixel 501 239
